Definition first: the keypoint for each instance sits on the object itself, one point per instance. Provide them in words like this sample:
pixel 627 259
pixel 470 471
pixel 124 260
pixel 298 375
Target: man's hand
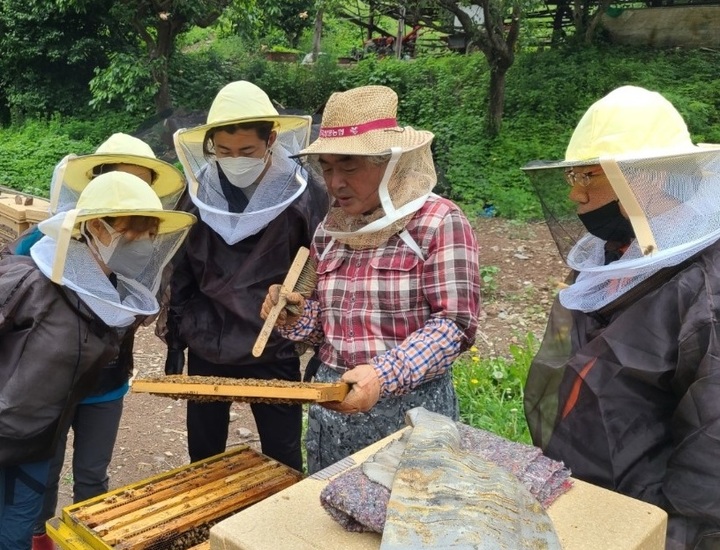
pixel 364 390
pixel 272 299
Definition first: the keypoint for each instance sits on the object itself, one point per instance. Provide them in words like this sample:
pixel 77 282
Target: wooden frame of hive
pixel 242 389
pixel 159 511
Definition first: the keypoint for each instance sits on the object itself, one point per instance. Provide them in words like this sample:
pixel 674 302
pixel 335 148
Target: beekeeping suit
pixel 625 386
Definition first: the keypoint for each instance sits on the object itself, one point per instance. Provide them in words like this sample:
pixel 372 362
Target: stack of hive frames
pixel 174 510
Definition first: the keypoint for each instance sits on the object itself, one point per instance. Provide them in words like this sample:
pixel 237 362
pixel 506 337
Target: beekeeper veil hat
pixel 363 122
pixel 668 187
pixel 65 257
pixel 243 103
pixel 73 173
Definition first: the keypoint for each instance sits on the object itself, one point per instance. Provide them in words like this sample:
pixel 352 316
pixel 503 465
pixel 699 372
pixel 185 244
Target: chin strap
pixel 63 242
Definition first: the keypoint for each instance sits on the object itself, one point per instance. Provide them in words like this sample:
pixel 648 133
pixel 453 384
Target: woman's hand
pixel 272 299
pixel 364 390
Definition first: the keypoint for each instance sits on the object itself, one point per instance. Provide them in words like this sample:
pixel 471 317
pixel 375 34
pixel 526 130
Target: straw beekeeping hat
pixel 240 102
pixel 124 149
pixel 363 121
pixel 113 194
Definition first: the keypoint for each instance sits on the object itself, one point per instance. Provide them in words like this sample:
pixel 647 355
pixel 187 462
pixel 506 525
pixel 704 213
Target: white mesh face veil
pixel 116 307
pixel 668 188
pixel 69 262
pixel 673 203
pixel 62 198
pixel 362 122
pixel 283 182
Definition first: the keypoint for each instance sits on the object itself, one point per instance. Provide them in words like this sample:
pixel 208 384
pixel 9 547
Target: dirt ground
pixel 519 262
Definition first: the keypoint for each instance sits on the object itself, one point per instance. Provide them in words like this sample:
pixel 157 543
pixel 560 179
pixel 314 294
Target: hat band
pixel 346 131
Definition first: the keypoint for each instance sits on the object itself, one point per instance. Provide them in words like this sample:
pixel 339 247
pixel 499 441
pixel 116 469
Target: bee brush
pixel 302 278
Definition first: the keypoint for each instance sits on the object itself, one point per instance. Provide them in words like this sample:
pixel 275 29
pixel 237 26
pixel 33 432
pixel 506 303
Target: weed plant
pixel 490 389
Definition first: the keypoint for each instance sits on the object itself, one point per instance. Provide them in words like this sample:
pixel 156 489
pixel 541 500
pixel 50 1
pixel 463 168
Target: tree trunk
pixel 160 59
pixel 371 20
pixel 317 35
pixel 159 47
pixel 496 101
pixel 497 42
pixel 595 21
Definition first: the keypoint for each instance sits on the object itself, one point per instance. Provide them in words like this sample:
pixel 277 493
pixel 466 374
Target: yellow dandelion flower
pixel 473 349
pixel 474 381
pixel 476 358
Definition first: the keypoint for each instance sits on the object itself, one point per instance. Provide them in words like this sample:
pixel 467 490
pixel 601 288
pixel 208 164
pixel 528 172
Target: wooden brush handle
pixel 288 285
pixel 267 327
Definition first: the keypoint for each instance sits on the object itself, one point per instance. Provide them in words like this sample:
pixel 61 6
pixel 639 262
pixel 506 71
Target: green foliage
pixel 490 390
pixel 304 87
pixel 125 84
pixel 291 16
pixel 546 94
pixel 338 37
pixel 488 276
pixel 48 55
pixel 200 74
pixel 30 151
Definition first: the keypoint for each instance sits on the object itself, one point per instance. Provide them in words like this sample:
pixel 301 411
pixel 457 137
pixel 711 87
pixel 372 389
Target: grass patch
pixel 490 389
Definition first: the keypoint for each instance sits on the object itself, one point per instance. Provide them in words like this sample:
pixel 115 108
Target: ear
pixel 272 138
pixel 94 226
pixel 97 229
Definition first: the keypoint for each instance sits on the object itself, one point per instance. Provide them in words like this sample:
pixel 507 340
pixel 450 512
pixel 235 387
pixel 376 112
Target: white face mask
pixel 122 256
pixel 243 171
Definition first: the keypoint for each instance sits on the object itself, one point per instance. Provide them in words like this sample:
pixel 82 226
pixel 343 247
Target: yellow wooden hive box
pixel 18 212
pixel 173 510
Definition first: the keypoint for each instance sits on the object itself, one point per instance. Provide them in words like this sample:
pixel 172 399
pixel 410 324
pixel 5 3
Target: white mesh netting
pixel 119 306
pixel 402 193
pixel 284 181
pixel 678 197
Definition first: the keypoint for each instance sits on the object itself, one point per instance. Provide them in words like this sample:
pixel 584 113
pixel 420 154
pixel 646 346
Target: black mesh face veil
pixel 560 212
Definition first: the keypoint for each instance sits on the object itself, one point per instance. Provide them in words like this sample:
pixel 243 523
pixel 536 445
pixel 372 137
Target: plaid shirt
pixel 408 317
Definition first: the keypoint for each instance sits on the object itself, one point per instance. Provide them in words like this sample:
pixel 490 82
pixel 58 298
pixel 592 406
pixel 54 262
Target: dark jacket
pixel 217 289
pixel 118 371
pixel 630 401
pixel 51 348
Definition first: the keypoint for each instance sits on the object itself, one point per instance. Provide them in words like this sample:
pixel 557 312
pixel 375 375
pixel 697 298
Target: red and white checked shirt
pixel 408 317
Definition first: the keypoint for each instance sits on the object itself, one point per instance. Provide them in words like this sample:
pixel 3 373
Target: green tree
pixel 290 16
pixel 155 25
pixel 496 36
pixel 49 51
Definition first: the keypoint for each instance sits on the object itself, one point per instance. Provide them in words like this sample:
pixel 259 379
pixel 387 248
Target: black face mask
pixel 608 224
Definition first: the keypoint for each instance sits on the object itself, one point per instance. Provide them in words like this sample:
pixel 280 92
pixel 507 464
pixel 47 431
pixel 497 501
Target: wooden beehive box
pixel 18 212
pixel 174 510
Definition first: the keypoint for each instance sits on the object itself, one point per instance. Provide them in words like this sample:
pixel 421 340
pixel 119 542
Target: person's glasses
pixel 581 178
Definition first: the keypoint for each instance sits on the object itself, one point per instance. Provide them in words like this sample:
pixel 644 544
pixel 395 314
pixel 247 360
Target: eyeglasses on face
pixel 581 178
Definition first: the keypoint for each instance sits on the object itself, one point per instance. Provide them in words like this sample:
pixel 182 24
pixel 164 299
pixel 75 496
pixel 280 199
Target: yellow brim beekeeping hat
pixel 124 149
pixel 110 195
pixel 241 102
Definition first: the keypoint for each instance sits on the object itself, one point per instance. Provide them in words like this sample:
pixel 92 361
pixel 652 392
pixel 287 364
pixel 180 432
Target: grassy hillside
pixel 546 94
